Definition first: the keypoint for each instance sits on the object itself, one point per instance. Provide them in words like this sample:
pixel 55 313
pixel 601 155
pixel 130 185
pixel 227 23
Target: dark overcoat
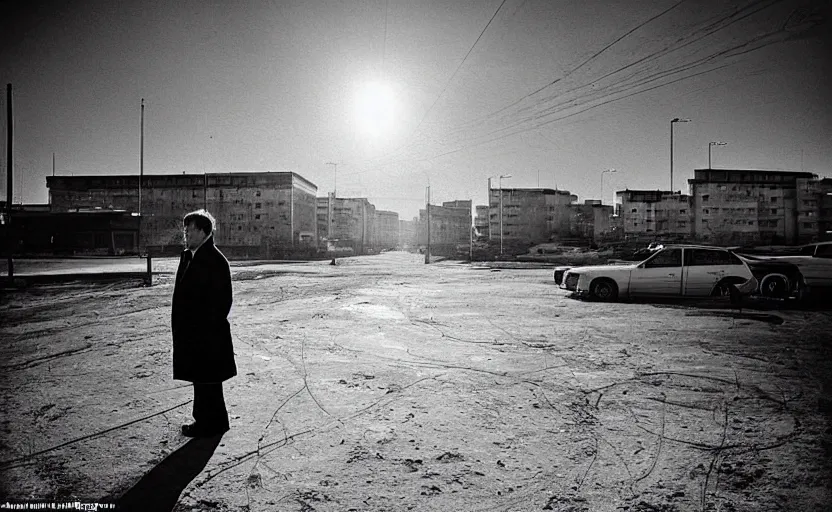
pixel 202 348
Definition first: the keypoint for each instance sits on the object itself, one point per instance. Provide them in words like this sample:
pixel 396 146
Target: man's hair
pixel 202 220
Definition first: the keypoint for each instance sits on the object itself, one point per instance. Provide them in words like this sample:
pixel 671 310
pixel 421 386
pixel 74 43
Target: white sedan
pixel 673 271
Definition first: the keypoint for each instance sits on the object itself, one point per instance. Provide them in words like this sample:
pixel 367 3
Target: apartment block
pixel 259 214
pixel 825 209
pixel 346 224
pixel 450 227
pixel 652 214
pixel 742 206
pixel 590 221
pixel 409 234
pixel 385 234
pixel 530 215
pixel 481 221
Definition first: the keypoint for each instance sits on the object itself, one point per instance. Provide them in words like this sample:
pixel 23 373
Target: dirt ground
pixel 386 384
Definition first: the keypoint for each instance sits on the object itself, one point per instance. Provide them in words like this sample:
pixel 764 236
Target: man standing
pixel 202 348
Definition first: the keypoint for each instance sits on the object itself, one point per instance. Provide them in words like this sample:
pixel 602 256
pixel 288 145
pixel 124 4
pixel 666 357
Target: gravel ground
pixel 386 384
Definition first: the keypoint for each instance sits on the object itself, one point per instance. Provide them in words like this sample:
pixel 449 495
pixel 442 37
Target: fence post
pixel 148 281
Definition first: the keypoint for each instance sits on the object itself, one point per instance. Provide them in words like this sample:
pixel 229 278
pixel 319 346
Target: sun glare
pixel 376 109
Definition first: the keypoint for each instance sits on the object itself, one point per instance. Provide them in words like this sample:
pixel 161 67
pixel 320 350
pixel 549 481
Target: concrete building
pixel 259 214
pixel 825 209
pixel 590 221
pixel 481 221
pixel 409 234
pixel 450 227
pixel 743 206
pixel 531 215
pixel 350 222
pixel 385 234
pixel 655 215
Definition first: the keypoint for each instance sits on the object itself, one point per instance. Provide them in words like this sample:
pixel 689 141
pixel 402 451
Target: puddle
pixel 375 311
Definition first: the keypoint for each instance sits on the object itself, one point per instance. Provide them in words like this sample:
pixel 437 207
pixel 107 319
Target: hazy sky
pixel 402 92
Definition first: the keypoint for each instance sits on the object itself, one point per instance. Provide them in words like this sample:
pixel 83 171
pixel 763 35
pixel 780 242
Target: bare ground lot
pixel 386 384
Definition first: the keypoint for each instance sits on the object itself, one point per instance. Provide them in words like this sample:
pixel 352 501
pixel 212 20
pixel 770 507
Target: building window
pixel 774 211
pixel 773 199
pixel 750 222
pixel 239 228
pixel 682 224
pixel 683 212
pixel 634 210
pixel 257 217
pixel 257 205
pixel 706 211
pixel 807 225
pixel 257 193
pixel 705 198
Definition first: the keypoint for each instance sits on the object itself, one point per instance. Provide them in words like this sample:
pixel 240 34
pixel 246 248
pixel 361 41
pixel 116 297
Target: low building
pixel 259 214
pixel 655 215
pixel 36 231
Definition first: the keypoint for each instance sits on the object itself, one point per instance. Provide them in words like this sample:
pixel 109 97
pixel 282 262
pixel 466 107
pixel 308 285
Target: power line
pixel 609 90
pixel 442 92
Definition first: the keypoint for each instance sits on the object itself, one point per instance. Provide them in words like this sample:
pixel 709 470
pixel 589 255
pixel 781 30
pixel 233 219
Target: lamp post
pixel 602 185
pixel 672 121
pixel 712 144
pixel 501 209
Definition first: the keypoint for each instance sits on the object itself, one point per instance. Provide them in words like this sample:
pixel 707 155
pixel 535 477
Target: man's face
pixel 193 236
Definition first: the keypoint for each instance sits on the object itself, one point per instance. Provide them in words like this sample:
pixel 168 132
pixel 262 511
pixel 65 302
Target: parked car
pixel 672 271
pixel 814 263
pixel 559 271
pixel 777 279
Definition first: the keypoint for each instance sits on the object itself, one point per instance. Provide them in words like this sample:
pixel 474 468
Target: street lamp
pixel 501 209
pixel 602 185
pixel 712 144
pixel 674 120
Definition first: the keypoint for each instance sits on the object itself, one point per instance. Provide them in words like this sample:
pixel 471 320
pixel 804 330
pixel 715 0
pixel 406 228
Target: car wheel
pixel 604 289
pixel 775 287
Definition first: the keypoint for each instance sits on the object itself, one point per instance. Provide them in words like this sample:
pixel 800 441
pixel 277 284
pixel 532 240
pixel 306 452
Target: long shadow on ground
pixel 159 488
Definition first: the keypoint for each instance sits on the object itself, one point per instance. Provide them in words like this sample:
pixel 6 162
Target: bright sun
pixel 376 109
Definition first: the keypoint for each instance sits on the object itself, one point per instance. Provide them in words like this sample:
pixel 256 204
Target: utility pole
pixel 489 209
pixel 9 183
pixel 427 249
pixel 335 177
pixel 53 164
pixel 470 235
pixel 141 157
pixel 501 210
pixel 141 174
